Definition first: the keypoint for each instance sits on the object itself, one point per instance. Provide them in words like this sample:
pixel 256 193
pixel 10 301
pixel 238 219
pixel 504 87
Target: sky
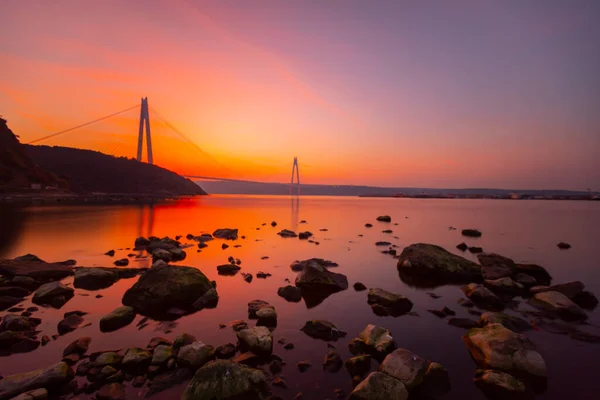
pixel 452 94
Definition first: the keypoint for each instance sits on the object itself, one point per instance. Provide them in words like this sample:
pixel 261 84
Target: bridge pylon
pixel 144 121
pixel 296 169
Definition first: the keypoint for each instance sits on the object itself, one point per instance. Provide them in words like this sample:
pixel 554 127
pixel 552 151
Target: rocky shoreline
pixel 507 364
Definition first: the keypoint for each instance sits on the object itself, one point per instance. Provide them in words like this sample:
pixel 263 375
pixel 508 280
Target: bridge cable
pixel 82 125
pixel 187 139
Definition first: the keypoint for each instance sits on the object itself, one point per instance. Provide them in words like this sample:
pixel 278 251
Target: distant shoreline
pixel 92 199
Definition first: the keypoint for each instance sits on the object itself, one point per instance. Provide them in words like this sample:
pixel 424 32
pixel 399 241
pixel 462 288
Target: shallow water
pixel 526 231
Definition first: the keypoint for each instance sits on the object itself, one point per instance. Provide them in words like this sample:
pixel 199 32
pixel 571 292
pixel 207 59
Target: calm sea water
pixel 526 231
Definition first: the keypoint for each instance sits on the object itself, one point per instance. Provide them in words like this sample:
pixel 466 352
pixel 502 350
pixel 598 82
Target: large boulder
pixel 48 378
pixel 558 304
pixel 226 380
pixel 387 303
pixel 94 278
pixel 416 373
pixel 258 340
pixel 162 288
pixel 117 319
pixel 436 265
pixel 210 299
pixel 495 266
pixel 483 297
pixel 498 348
pixel 48 292
pixel 379 386
pixel 195 355
pixel 321 329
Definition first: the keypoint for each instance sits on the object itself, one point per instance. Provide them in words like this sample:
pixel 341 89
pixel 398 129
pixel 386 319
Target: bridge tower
pixel 144 120
pixel 296 169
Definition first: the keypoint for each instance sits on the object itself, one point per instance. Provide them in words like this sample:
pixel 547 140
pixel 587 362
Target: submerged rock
pixel 117 319
pixel 505 284
pixel 359 286
pixel 304 235
pixel 471 233
pixel 563 246
pixel 465 323
pixel 437 265
pixel 290 293
pixel 79 346
pixel 286 233
pixel 500 385
pixel 386 303
pixel 48 378
pixel 226 233
pixel 495 347
pixel 48 292
pixel 379 386
pixel 321 329
pixel 483 297
pixel 314 276
pixel 384 218
pixel 226 380
pixel 69 324
pixel 17 342
pixel 94 278
pixel 558 304
pixel 539 273
pixel 228 269
pixel 513 323
pixel 151 296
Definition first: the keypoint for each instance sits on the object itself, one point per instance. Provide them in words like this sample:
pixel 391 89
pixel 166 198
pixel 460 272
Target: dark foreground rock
pixel 483 297
pixel 226 233
pixel 498 348
pixel 226 380
pixel 321 329
pixel 379 386
pixel 386 303
pixel 117 319
pixel 495 266
pixel 54 293
pixel 151 296
pixel 436 265
pixel 47 378
pixel 317 283
pixel 290 293
pixel 500 385
pixel 94 278
pixel 40 271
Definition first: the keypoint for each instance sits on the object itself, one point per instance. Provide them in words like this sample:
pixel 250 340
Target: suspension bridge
pixel 171 154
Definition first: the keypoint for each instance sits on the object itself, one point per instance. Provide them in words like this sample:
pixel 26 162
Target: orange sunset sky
pixel 401 93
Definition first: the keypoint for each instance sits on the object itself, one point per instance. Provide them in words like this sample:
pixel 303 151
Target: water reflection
pixel 12 221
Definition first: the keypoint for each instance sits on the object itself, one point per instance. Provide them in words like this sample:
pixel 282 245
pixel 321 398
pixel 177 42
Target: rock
pixel 443 313
pixel 378 386
pixel 111 391
pixel 247 277
pixel 45 340
pixel 150 296
pixel 79 346
pixel 195 355
pixel 471 233
pixel 69 324
pixel 36 270
pixel 303 366
pixel 123 262
pixel 136 358
pixel 359 287
pixel 210 299
pixel 378 339
pixel 161 255
pixel 298 266
pixel 515 324
pixel 9 301
pixel 465 323
pixel 495 266
pixel 384 218
pixel 157 341
pixel 228 269
pixel 138 381
pixel 483 297
pixel 286 233
pixel 333 362
pixel 13 291
pixel 539 273
pixel 177 254
pixel 367 225
pixel 183 340
pixel 505 284
pixel 247 358
pixel 563 246
pixel 321 329
pixel 525 280
pixel 304 235
pixel 289 346
pixel 476 249
pixel 386 303
pixel 117 319
pixel 255 305
pixel 569 289
pixel 585 299
pixel 224 246
pixel 24 282
pixel 558 304
pixel 499 385
pixel 462 246
pixel 141 241
pixel 47 378
pixel 37 394
pixel 226 380
pixel 17 323
pixel 498 348
pixel 94 278
pixel 258 340
pixel 107 358
pixel 415 372
pixel 168 379
pixel 436 265
pixel 315 276
pixel 226 351
pixel 110 253
pixel 238 325
pixel 358 365
pixel 262 275
pixel 290 293
pixel 585 337
pixel 226 233
pixel 267 316
pixel 382 243
pixel 273 224
pixel 49 291
pixel 16 342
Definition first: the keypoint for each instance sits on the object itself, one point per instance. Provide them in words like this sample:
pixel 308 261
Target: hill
pixel 91 171
pixel 17 171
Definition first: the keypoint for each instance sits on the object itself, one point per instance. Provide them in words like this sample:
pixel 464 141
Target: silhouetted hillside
pixel 91 171
pixel 17 171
